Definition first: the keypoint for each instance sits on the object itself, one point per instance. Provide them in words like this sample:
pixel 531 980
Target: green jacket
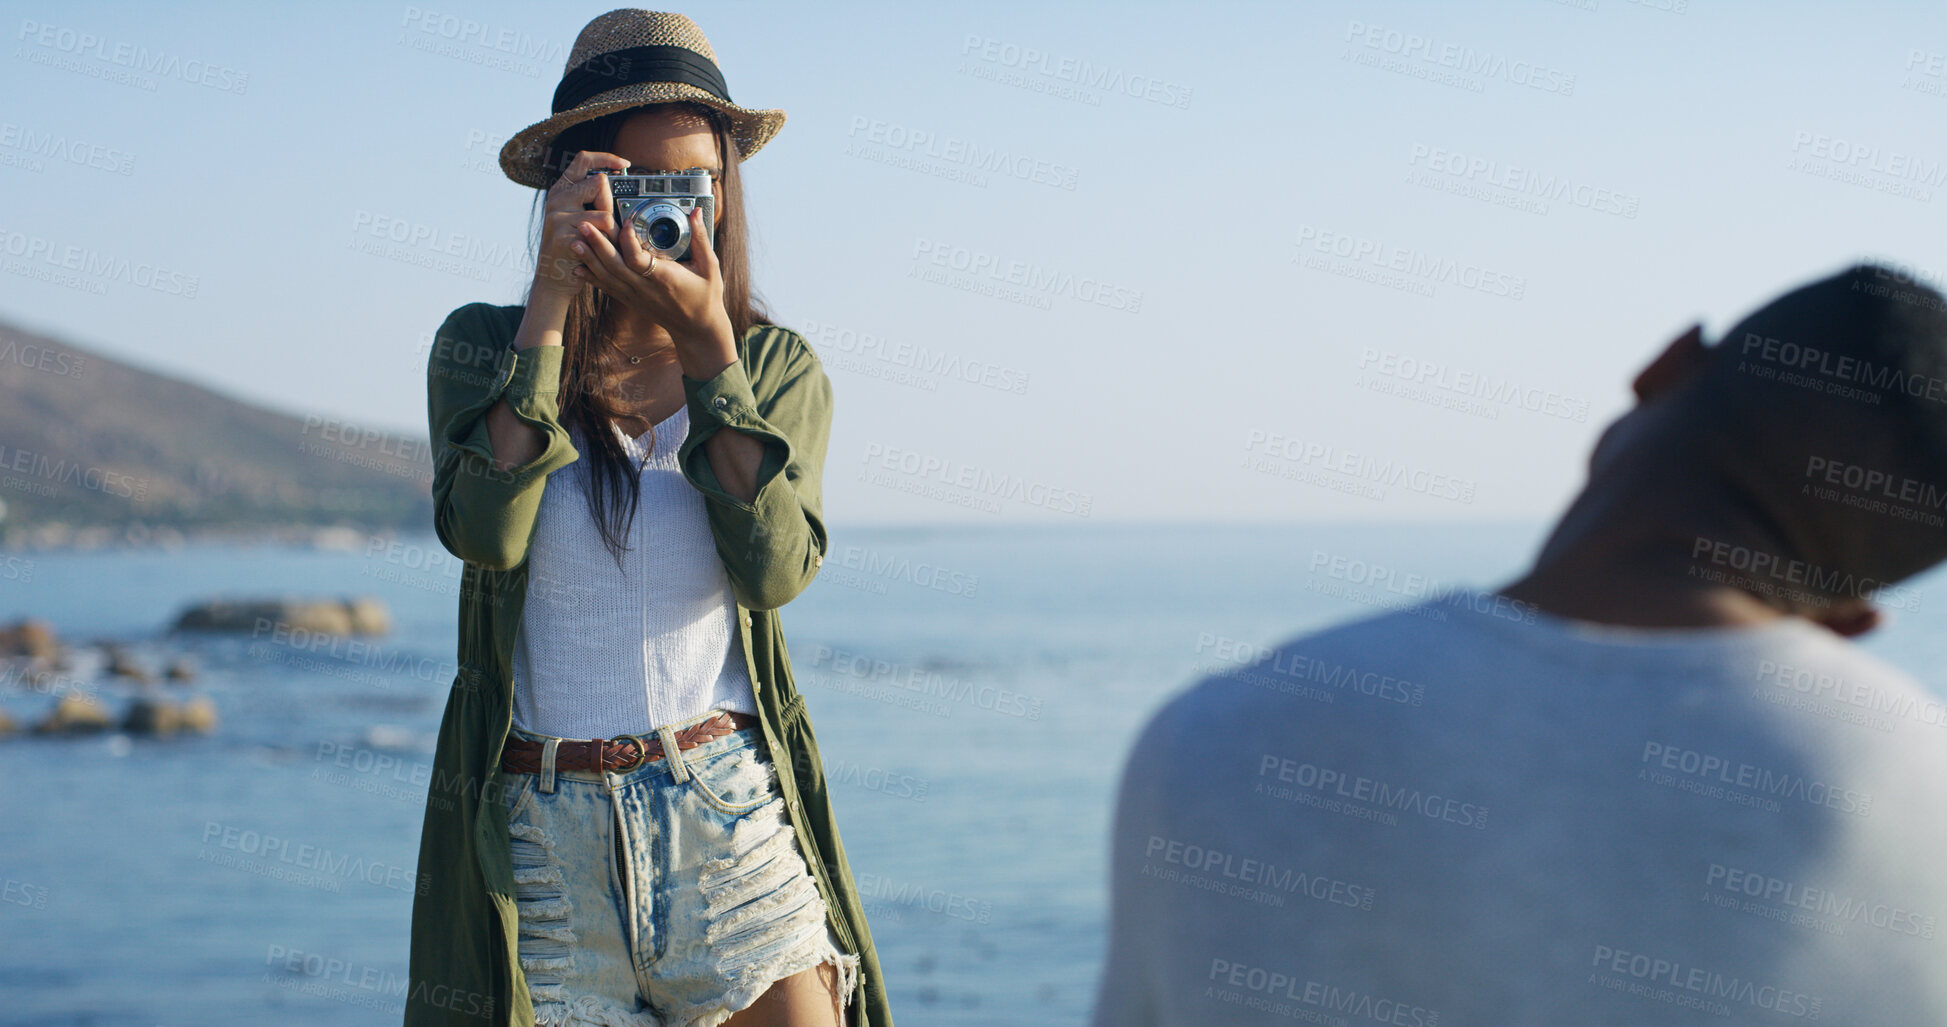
pixel 464 965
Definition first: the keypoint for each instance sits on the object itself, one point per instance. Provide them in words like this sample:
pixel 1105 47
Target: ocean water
pixel 975 692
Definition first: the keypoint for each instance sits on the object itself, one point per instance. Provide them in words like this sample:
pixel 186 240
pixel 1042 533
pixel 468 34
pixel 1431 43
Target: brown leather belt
pixel 522 756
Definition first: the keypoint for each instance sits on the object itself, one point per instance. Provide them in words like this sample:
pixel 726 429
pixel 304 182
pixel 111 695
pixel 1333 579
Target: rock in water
pixel 180 671
pixel 369 616
pixel 361 615
pixel 120 665
pixel 152 716
pixel 7 725
pixel 147 716
pixel 33 639
pixel 75 714
pixel 199 715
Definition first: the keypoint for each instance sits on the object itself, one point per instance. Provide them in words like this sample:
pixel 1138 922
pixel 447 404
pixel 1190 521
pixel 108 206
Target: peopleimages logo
pixel 1299 667
pixel 1761 568
pixel 1826 687
pixel 1701 984
pixel 1421 270
pixel 1411 53
pixel 1504 391
pixel 457 29
pixel 1360 466
pixel 59 147
pixel 1876 482
pixel 971 480
pixel 927 683
pixel 1298 997
pixel 62 472
pixel 1524 181
pixel 1866 156
pixel 92 266
pixel 900 568
pixel 1032 283
pixel 116 60
pixel 1713 772
pixel 924 362
pixel 1260 874
pixel 1075 71
pixel 1813 360
pixel 40 358
pixel 952 149
pixel 1818 901
pixel 1876 491
pixel 1359 788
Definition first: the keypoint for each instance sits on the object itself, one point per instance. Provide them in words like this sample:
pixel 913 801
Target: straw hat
pixel 628 58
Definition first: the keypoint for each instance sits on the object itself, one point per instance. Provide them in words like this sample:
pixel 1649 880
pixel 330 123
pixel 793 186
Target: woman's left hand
pixel 684 297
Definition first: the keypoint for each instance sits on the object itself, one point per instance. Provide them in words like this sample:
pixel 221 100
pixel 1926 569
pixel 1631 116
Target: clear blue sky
pixel 1545 191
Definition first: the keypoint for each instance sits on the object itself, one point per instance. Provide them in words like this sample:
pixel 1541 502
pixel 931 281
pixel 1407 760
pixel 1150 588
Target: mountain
pixel 89 442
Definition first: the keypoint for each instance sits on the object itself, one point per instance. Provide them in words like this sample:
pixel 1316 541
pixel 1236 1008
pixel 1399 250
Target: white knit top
pixel 603 651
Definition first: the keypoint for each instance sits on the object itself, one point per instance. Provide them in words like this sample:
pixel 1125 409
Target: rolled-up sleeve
pixel 482 514
pixel 773 545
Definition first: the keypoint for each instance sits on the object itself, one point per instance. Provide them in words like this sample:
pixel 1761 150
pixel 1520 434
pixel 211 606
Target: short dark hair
pixel 1846 372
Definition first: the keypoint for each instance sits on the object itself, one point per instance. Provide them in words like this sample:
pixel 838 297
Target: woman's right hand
pixel 565 209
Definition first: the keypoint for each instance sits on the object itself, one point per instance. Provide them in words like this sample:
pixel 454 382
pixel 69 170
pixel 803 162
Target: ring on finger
pixel 650 271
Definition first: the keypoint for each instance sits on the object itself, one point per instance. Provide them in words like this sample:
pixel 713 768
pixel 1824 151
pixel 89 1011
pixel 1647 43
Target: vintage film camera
pixel 657 206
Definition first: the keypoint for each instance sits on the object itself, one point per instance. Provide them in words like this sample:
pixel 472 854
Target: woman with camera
pixel 628 822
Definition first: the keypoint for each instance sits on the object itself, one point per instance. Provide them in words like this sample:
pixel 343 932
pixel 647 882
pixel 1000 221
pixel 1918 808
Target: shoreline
pixel 69 538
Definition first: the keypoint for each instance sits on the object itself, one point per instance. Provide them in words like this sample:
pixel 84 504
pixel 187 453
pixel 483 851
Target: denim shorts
pixel 673 893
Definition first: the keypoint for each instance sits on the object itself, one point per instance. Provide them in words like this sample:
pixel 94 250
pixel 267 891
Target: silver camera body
pixel 657 206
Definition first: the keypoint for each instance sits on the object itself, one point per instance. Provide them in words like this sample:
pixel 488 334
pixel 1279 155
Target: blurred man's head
pixel 1820 420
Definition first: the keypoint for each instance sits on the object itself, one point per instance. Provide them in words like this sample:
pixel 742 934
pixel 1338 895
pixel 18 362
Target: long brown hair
pixel 589 398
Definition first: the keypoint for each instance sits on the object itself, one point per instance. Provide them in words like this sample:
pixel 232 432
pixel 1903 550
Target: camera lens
pixel 663 227
pixel 664 233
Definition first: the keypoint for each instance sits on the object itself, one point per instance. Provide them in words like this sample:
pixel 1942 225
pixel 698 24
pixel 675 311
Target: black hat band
pixel 619 68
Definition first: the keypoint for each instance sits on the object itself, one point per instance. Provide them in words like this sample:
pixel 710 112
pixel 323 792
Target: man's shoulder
pixel 1336 670
pixel 1330 653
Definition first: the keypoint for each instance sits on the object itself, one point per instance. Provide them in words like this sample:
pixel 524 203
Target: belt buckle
pixel 635 758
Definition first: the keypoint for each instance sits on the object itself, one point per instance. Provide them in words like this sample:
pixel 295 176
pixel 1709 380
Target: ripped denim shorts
pixel 674 893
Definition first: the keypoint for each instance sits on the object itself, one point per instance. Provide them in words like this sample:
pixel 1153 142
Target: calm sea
pixel 974 693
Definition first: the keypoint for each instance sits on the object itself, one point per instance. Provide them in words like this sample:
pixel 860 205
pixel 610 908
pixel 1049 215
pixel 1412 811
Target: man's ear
pixel 1685 356
pixel 1848 618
